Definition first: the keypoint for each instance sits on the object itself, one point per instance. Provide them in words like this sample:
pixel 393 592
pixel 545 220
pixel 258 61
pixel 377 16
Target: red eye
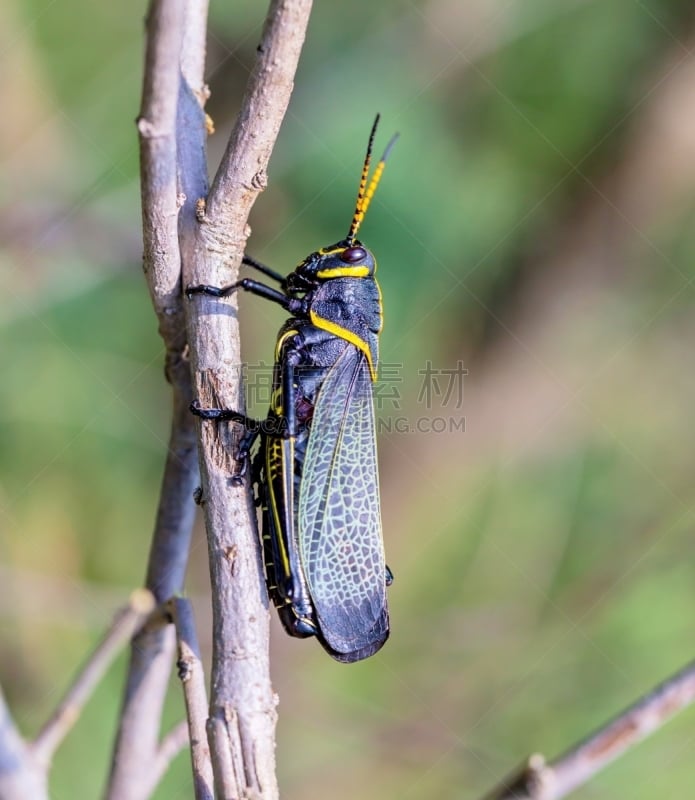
pixel 353 254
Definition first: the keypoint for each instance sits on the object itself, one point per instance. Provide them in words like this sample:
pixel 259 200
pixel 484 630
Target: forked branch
pixel 125 624
pixel 137 745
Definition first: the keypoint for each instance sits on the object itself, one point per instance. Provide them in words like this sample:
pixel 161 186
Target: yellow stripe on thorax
pixel 281 340
pixel 344 333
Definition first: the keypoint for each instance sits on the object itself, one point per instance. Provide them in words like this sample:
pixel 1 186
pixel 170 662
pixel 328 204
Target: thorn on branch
pixel 148 129
pixel 529 782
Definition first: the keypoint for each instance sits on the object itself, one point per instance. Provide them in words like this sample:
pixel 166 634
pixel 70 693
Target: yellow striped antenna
pixel 366 191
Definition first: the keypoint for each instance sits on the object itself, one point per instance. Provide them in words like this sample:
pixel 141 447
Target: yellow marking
pixel 376 177
pixel 343 272
pixel 359 206
pixel 328 251
pixel 366 191
pixel 344 333
pixel 278 527
pixel 278 346
pixel 288 477
pixel 288 483
pixel 363 204
pixel 276 400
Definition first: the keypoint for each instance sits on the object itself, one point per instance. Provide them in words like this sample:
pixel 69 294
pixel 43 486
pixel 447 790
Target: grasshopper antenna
pixel 367 189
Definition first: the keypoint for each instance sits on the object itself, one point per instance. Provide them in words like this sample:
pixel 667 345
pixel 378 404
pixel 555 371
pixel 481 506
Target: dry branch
pixel 207 247
pixel 172 744
pixel 24 767
pixel 242 707
pixel 192 676
pixel 137 742
pixel 538 780
pixel 68 711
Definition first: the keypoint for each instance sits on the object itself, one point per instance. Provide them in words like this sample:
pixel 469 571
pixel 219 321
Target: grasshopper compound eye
pixel 353 254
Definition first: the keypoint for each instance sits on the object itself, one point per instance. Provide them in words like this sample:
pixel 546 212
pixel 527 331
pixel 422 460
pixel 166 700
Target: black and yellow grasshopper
pixel 317 468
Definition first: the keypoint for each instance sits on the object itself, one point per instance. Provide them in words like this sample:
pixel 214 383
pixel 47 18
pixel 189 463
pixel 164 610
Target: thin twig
pixel 190 670
pixel 125 624
pixel 172 744
pixel 242 706
pixel 152 651
pixel 157 131
pixel 242 172
pixel 538 780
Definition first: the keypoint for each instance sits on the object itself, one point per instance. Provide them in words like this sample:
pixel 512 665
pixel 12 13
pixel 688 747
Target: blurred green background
pixel 535 222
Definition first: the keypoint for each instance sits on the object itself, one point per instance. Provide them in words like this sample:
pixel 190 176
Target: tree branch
pixel 242 707
pixel 125 624
pixel 172 744
pixel 242 172
pixel 538 780
pixel 172 130
pixel 190 670
pixel 152 651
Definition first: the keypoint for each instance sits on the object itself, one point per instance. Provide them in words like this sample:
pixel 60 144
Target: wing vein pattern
pixel 339 517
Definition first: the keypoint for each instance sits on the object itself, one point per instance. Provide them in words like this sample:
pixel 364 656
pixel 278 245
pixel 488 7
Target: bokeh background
pixel 535 223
